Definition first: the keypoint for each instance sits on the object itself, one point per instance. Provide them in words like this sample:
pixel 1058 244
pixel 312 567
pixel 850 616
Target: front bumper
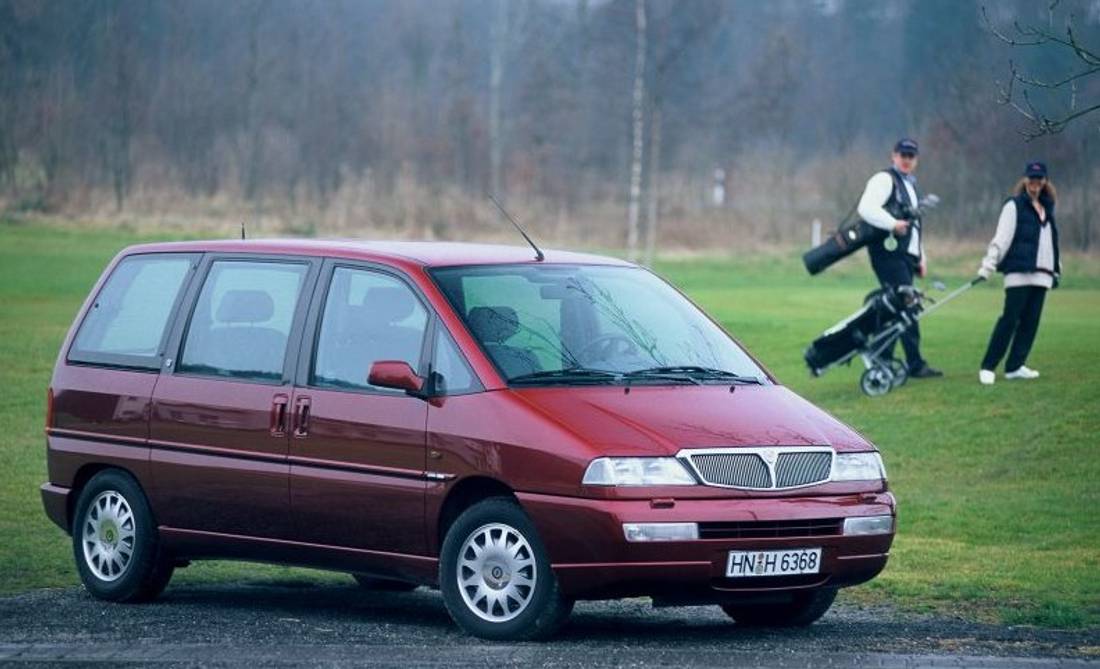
pixel 592 559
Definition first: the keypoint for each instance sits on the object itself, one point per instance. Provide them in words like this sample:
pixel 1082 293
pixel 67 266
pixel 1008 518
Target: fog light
pixel 869 525
pixel 661 531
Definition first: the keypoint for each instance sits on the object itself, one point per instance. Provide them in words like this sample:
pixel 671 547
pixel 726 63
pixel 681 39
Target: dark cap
pixel 906 145
pixel 1036 169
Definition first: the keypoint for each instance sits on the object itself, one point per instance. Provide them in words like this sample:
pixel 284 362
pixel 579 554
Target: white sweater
pixel 879 188
pixel 1002 239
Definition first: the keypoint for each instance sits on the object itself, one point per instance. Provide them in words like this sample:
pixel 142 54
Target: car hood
pixel 661 420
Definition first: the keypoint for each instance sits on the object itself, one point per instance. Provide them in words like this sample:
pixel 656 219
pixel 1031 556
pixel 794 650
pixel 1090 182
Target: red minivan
pixel 519 432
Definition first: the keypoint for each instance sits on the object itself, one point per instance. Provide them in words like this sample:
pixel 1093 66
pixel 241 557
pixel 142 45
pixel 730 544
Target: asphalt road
pixel 288 622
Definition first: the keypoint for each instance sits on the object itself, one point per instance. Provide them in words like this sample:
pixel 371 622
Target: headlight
pixel 637 471
pixel 858 467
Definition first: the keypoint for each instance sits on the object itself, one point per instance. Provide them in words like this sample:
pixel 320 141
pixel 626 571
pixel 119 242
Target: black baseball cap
pixel 906 145
pixel 1036 169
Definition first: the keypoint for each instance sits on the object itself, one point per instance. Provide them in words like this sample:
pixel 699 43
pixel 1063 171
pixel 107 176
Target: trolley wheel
pixel 876 381
pixel 900 372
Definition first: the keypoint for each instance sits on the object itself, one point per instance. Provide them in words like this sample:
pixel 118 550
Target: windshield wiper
pixel 696 372
pixel 568 375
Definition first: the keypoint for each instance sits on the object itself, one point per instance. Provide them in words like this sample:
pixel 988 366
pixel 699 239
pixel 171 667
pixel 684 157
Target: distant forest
pixel 397 117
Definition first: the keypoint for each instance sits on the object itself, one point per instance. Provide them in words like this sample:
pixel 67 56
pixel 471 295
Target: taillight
pixel 49 408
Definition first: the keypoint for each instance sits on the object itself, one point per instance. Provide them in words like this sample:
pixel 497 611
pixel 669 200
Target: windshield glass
pixel 559 323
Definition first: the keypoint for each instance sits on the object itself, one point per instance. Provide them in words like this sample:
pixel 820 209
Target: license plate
pixel 741 564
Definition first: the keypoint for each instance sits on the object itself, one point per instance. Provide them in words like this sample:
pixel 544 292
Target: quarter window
pixel 448 363
pixel 126 323
pixel 368 316
pixel 242 320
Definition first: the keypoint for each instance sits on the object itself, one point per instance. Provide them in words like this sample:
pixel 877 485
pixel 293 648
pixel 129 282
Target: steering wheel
pixel 606 347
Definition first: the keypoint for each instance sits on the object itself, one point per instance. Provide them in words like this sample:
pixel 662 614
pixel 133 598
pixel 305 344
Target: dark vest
pixel 899 207
pixel 1023 253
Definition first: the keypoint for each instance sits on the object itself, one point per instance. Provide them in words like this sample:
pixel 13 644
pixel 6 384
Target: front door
pixel 357 451
pixel 220 419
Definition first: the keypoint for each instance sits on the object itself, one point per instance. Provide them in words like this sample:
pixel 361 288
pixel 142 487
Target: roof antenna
pixel 539 257
pixel 242 229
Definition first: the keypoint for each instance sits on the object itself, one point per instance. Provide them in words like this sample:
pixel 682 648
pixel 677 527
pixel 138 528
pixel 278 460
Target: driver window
pixel 368 316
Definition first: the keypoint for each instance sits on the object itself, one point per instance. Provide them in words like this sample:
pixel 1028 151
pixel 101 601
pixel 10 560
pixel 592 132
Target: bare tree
pixel 251 104
pixel 637 154
pixel 675 34
pixel 496 76
pixel 1021 87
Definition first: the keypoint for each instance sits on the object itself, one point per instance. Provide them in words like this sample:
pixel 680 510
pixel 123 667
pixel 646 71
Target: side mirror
pixel 395 374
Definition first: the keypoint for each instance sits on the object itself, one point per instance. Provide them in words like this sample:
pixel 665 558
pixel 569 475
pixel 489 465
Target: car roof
pixel 427 254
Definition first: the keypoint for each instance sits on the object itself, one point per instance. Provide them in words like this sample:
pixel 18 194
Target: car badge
pixel 769 455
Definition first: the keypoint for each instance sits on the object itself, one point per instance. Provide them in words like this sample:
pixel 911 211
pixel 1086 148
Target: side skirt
pixel 197 545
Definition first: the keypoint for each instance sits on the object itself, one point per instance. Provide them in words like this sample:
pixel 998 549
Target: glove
pixel 984 272
pixel 1057 279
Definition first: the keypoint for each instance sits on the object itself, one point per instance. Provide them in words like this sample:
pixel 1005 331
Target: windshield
pixel 590 324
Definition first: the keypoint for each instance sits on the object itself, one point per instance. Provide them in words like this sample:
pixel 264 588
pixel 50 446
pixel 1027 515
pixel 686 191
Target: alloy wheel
pixel 109 534
pixel 496 572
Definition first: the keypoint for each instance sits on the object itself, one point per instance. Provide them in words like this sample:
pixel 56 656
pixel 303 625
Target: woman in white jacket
pixel 1025 249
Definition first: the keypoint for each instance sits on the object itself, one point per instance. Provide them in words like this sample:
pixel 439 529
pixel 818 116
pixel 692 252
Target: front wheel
pixel 115 540
pixel 495 575
pixel 804 609
pixel 876 381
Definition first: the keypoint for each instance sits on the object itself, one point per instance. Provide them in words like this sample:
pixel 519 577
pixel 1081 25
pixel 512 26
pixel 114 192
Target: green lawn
pixel 997 485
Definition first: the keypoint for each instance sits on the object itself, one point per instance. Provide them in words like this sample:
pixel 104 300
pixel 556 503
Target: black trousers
pixel 893 269
pixel 1018 325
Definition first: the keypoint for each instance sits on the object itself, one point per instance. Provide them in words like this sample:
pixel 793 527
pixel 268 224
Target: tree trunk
pixel 496 75
pixel 1086 195
pixel 652 196
pixel 639 127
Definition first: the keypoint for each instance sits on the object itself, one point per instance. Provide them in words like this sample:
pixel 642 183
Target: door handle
pixel 301 417
pixel 278 415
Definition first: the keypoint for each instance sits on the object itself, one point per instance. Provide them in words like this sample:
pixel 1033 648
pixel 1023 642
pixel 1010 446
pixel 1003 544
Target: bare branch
pixel 1017 92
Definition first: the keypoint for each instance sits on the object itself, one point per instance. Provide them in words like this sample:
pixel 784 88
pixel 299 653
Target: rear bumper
pixel 593 560
pixel 55 499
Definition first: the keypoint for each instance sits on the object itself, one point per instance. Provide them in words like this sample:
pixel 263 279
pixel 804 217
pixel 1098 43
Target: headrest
pixel 493 325
pixel 388 304
pixel 245 306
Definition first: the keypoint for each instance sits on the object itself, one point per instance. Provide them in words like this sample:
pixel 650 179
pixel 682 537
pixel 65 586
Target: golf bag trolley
pixel 872 332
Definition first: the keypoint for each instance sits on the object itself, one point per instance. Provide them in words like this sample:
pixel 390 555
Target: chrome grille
pixel 740 470
pixel 802 468
pixel 764 468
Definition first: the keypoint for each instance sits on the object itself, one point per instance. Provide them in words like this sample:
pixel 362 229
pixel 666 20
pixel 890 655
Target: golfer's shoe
pixel 926 371
pixel 1022 373
pixel 986 377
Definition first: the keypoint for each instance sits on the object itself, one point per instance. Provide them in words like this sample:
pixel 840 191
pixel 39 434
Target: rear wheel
pixel 495 575
pixel 115 541
pixel 383 584
pixel 803 610
pixel 900 372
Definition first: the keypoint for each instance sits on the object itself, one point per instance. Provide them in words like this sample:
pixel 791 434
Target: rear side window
pixel 127 322
pixel 241 323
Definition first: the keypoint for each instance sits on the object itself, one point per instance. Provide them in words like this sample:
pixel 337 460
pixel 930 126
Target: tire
pixel 876 381
pixel 803 610
pixel 511 596
pixel 115 541
pixel 383 584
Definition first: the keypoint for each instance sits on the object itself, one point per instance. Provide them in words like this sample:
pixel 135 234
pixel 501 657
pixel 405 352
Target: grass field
pixel 998 486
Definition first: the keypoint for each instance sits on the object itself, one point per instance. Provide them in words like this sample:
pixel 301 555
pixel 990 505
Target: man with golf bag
pixel 890 202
